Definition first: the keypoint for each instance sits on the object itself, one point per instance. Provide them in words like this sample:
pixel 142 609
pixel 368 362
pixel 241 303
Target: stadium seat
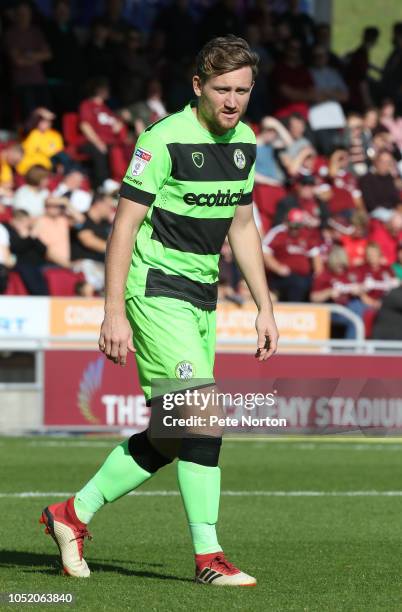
pixel 369 318
pixel 73 137
pixel 118 162
pixel 15 286
pixel 256 128
pixel 19 180
pixel 267 197
pixel 6 143
pixel 6 213
pixel 62 282
pixel 54 180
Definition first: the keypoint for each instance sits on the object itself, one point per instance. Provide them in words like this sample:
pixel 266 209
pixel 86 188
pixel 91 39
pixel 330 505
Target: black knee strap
pixel 203 450
pixel 145 454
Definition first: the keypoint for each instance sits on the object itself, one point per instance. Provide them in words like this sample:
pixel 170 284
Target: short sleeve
pixel 247 196
pixel 313 251
pixel 313 248
pixel 271 240
pixel 148 171
pixel 84 112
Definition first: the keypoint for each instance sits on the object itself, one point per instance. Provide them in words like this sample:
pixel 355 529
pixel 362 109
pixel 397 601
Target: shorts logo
pixel 140 160
pixel 198 159
pixel 184 370
pixel 239 159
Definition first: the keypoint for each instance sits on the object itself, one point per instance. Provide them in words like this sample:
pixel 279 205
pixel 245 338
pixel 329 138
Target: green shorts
pixel 175 344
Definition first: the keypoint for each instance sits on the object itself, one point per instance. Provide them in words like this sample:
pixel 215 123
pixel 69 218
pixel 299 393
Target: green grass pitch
pixel 309 551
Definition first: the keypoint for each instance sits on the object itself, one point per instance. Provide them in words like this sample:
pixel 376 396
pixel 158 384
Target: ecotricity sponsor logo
pixel 219 198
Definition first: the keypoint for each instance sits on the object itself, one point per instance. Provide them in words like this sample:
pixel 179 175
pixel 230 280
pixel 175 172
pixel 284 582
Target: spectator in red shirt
pixel 355 240
pixel 101 128
pixel 291 257
pixel 345 196
pixel 293 83
pixel 303 197
pixel 28 51
pixel 339 284
pixel 387 233
pixel 377 279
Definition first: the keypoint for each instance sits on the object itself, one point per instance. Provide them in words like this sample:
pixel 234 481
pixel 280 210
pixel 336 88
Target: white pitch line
pixel 368 493
pixel 60 443
pixel 308 446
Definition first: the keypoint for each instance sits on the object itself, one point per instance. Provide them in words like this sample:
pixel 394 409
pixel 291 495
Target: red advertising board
pixel 83 389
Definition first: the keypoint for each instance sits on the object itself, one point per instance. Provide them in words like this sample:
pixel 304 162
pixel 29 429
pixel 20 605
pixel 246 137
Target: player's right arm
pixel 145 176
pixel 116 335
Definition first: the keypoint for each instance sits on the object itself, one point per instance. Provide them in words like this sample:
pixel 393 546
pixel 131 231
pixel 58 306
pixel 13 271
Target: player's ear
pixel 197 85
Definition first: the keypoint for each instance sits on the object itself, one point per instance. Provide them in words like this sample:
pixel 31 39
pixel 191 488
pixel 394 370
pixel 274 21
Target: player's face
pixel 223 99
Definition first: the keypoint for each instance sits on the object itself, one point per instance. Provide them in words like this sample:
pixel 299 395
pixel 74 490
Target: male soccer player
pixel 188 186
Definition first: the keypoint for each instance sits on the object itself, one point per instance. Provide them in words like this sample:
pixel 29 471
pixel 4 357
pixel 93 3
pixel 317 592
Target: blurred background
pixel 81 80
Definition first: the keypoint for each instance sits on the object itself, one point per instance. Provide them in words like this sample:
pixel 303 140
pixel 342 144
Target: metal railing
pixel 85 343
pixel 48 341
pixel 39 344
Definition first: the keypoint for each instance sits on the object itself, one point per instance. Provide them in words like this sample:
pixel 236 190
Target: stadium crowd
pixel 328 191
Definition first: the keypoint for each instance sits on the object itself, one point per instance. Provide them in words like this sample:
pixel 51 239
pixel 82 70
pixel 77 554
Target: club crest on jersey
pixel 198 158
pixel 239 159
pixel 185 370
pixel 140 160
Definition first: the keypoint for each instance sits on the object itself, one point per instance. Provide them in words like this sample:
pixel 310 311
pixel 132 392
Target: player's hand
pixel 267 335
pixel 116 338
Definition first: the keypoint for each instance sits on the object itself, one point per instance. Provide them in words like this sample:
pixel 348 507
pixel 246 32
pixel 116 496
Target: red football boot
pixel 68 532
pixel 215 569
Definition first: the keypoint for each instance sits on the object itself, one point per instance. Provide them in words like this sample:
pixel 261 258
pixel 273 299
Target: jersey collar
pixel 215 137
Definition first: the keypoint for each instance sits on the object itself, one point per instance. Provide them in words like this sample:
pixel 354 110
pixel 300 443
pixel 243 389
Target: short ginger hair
pixel 225 54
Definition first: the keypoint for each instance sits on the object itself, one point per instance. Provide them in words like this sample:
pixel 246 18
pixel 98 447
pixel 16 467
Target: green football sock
pixel 88 501
pixel 119 475
pixel 200 490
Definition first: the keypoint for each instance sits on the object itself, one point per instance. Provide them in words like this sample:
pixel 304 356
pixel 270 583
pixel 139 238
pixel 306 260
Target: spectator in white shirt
pixel 31 196
pixel 70 188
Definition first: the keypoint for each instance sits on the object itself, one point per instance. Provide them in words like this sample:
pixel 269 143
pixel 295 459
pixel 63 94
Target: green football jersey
pixel 192 181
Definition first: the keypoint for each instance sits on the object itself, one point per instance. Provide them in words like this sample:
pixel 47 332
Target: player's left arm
pixel 245 242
